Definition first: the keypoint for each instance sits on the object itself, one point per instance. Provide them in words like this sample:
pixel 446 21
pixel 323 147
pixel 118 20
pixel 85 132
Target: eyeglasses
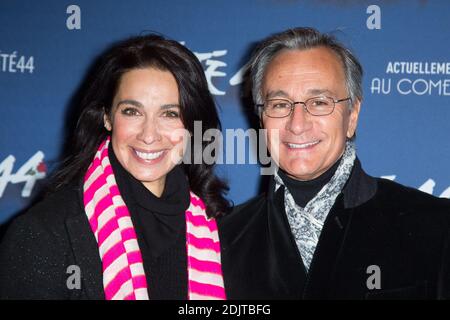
pixel 316 106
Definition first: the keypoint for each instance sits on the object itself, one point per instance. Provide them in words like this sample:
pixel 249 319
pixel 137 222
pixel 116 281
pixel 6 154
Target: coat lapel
pixel 290 268
pixel 87 256
pixel 327 254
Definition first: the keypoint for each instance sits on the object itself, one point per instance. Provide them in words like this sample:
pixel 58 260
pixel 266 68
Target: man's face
pixel 308 145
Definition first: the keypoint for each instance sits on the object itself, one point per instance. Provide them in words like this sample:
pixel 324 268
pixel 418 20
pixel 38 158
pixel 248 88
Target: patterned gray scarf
pixel 307 223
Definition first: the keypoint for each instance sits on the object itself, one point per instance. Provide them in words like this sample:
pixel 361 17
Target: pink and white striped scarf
pixel 123 271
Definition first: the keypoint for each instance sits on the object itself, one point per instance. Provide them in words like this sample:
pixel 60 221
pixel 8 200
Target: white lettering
pixel 374 20
pixel 374 280
pixel 73 21
pixel 31 171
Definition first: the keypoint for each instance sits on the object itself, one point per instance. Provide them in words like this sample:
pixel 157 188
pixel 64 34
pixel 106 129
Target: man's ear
pixel 353 121
pixel 107 122
pixel 261 117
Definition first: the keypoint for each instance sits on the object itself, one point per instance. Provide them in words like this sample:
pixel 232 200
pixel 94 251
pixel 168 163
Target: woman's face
pixel 147 131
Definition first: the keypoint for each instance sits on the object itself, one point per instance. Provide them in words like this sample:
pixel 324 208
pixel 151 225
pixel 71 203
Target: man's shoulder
pixel 246 210
pixel 404 205
pixel 253 203
pixel 242 217
pixel 407 197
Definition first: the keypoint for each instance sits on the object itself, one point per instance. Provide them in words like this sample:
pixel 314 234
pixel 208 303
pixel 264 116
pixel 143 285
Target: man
pixel 325 229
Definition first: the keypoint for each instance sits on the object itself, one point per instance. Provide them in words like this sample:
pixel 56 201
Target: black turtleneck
pixel 160 228
pixel 304 191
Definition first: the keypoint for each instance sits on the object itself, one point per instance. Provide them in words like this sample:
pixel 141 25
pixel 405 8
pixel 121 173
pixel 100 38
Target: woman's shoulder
pixel 51 212
pixel 35 250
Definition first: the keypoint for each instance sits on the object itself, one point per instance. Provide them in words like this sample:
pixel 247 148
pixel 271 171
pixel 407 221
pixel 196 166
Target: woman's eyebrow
pixel 132 102
pixel 140 105
pixel 169 106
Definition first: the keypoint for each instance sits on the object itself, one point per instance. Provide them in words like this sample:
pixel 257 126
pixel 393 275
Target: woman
pixel 127 220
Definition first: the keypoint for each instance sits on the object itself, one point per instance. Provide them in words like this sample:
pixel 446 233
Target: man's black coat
pixel 377 230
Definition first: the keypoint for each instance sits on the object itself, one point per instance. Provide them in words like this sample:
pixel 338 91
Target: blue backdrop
pixel 47 46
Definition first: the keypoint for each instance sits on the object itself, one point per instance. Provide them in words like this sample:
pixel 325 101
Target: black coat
pixel 378 222
pixel 40 245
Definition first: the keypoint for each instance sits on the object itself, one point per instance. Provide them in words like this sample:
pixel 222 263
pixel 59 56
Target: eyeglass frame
pixel 293 103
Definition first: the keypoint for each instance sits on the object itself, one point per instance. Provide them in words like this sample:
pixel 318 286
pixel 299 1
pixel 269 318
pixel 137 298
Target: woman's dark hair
pixel 196 104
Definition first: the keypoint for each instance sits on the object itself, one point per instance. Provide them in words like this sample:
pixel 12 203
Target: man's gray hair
pixel 303 39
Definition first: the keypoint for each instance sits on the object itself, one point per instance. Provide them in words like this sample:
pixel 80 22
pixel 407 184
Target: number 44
pixel 29 172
